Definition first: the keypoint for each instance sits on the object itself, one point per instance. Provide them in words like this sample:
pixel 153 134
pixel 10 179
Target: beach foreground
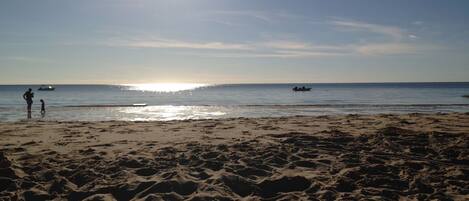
pixel 377 157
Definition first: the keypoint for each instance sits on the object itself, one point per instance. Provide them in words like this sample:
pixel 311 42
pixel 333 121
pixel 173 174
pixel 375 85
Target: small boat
pixel 301 89
pixel 46 88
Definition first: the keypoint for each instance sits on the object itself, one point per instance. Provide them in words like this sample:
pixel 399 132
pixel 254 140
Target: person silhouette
pixel 43 108
pixel 28 97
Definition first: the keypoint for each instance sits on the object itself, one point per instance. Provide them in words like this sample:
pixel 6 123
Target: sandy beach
pixel 349 157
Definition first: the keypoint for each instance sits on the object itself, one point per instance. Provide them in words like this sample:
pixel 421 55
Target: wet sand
pixel 352 157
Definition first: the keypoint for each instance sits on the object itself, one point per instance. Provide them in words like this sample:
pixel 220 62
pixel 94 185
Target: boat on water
pixel 46 88
pixel 301 89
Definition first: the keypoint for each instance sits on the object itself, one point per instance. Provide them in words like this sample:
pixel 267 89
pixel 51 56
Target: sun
pixel 164 87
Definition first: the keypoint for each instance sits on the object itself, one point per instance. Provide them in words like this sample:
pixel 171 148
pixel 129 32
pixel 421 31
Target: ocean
pixel 199 101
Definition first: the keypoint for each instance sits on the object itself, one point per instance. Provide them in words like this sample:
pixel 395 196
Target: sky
pixel 233 41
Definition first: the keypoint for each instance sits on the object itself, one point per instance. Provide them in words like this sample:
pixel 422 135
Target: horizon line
pixel 241 83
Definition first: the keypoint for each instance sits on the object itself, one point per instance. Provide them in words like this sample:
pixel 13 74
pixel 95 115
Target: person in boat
pixel 28 97
pixel 295 88
pixel 43 108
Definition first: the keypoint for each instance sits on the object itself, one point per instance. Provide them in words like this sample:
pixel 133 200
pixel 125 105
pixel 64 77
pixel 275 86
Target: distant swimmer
pixel 28 97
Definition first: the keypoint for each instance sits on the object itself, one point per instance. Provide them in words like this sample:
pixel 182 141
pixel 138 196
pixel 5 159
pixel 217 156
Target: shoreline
pixel 383 156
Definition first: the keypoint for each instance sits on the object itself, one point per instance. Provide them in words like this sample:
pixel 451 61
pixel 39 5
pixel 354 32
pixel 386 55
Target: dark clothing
pixel 30 104
pixel 28 96
pixel 43 108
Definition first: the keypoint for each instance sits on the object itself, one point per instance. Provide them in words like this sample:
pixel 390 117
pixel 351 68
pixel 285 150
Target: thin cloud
pixel 178 44
pixel 271 16
pixel 391 31
pixel 275 48
pixel 367 49
pixel 305 54
pixel 387 49
pixel 222 22
pixel 275 54
pixel 25 59
pixel 394 45
pixel 263 16
pixel 287 45
pixel 279 49
pixel 298 45
pixel 418 23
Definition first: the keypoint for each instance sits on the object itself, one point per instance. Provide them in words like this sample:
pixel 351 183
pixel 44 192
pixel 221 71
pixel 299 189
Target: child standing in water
pixel 43 108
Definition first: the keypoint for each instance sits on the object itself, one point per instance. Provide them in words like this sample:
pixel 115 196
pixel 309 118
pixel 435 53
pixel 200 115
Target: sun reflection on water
pixel 169 112
pixel 163 87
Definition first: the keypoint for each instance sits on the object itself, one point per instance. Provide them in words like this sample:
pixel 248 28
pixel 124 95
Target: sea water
pixel 200 101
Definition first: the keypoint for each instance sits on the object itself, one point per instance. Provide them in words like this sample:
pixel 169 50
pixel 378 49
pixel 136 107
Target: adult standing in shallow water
pixel 28 96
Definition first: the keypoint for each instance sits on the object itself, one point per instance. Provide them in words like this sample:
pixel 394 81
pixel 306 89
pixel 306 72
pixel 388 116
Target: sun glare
pixel 164 87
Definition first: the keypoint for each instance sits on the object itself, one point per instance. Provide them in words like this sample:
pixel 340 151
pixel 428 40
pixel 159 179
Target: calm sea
pixel 195 101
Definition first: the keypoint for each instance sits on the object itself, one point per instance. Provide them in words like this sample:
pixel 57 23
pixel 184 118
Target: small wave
pixel 283 105
pixel 358 105
pixel 111 105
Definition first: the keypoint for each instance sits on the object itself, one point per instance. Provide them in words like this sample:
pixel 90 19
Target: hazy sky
pixel 233 41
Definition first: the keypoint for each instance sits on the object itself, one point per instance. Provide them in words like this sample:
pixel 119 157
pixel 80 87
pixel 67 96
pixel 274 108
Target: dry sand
pixel 353 157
